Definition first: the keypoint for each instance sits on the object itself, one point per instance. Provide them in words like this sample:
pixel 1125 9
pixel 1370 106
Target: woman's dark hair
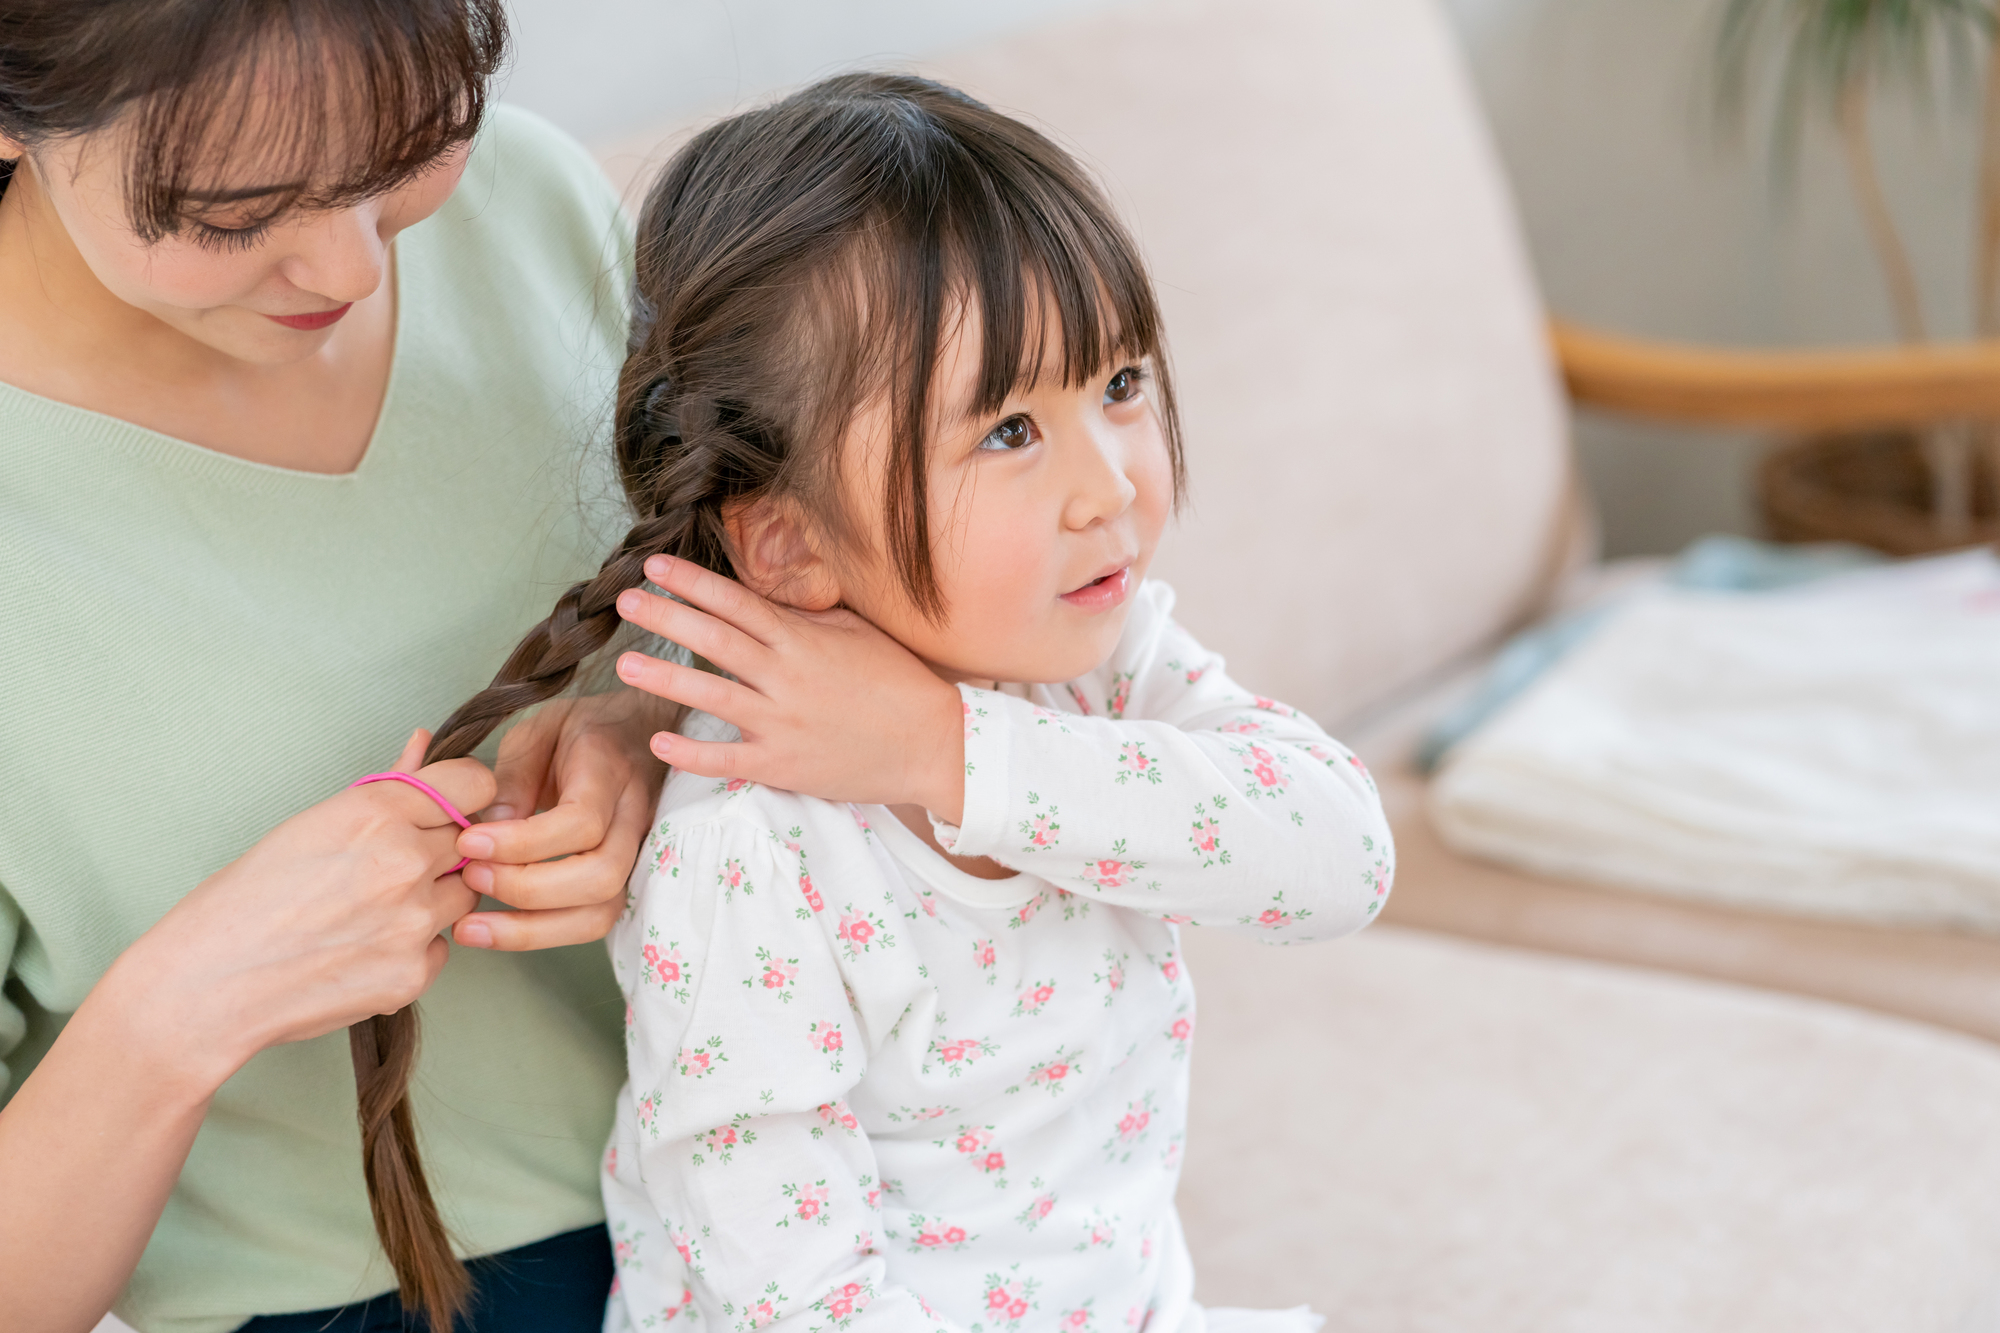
pixel 342 99
pixel 796 263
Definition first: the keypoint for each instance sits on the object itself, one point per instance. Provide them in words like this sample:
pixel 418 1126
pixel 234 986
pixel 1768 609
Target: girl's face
pixel 1044 518
pixel 269 290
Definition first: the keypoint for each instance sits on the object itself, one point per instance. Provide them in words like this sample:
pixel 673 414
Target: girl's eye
pixel 1013 433
pixel 1124 386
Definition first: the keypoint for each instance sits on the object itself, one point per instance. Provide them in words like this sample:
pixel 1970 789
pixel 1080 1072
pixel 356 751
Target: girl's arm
pixel 333 916
pixel 1176 791
pixel 739 1180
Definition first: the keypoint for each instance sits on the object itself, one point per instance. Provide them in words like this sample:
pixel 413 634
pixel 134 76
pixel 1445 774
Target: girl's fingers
pixel 719 596
pixel 712 694
pixel 521 772
pixel 717 640
pixel 708 759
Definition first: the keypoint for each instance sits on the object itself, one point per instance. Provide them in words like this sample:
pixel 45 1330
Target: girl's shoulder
pixel 689 800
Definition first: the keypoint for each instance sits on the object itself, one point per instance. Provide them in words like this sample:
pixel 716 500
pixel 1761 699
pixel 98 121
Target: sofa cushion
pixel 1376 438
pixel 1415 1133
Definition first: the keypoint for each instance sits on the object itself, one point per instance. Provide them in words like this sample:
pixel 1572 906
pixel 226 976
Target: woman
pixel 289 360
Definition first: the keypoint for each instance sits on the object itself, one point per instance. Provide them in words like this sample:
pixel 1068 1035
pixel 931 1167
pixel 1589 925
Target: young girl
pixel 908 1025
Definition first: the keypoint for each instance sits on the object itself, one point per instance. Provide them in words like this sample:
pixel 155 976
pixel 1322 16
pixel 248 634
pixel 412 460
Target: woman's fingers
pixel 717 640
pixel 712 694
pixel 466 783
pixel 521 772
pixel 719 596
pixel 516 932
pixel 412 757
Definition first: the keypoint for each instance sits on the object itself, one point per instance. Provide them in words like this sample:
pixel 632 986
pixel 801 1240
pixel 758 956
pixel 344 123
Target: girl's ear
pixel 777 557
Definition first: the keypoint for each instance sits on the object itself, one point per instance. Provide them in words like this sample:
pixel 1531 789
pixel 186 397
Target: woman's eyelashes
pixel 227 238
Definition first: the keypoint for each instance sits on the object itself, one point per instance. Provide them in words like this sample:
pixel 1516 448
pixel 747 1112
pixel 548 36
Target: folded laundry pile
pixel 1831 748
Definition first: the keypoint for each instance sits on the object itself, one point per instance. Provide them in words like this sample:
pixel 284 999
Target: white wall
pixel 1642 218
pixel 1638 218
pixel 603 69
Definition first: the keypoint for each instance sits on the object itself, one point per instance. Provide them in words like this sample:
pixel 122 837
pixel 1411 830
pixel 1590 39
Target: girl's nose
pixel 340 255
pixel 1100 488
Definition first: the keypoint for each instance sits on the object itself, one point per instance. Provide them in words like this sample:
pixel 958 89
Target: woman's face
pixel 259 288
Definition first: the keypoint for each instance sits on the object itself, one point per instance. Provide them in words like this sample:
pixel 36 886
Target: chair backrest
pixel 1377 439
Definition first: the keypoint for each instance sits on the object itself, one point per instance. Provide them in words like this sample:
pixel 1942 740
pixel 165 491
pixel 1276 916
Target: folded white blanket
pixel 1832 750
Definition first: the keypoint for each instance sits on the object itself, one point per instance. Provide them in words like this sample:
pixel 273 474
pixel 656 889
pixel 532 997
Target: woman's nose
pixel 341 255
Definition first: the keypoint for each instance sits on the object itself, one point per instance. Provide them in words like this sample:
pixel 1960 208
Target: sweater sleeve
pixel 744 1042
pixel 1172 790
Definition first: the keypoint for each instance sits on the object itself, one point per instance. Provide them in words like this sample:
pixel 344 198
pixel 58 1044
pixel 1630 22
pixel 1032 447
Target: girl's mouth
pixel 1103 592
pixel 319 319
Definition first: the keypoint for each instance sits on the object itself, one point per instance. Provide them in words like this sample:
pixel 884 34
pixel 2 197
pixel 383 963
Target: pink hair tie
pixel 428 790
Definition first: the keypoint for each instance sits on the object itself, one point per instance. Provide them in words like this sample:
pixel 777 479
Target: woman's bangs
pixel 318 106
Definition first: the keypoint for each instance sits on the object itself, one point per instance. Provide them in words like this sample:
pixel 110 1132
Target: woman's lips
pixel 317 320
pixel 1102 594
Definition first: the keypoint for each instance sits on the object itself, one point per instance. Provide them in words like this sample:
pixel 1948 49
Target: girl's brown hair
pixel 338 100
pixel 797 262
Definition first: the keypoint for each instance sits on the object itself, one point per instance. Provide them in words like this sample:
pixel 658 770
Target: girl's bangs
pixel 319 105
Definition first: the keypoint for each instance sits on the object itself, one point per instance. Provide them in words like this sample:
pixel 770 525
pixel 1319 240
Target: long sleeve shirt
pixel 867 1089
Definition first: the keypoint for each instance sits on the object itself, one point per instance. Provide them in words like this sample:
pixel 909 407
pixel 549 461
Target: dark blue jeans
pixel 556 1285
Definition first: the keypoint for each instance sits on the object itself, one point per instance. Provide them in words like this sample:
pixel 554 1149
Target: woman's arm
pixel 333 916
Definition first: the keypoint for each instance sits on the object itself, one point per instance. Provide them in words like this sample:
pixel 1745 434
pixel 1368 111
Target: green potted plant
pixel 1928 483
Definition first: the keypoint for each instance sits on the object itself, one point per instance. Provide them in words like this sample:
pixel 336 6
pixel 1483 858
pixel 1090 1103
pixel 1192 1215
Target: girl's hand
pixel 333 916
pixel 585 766
pixel 828 705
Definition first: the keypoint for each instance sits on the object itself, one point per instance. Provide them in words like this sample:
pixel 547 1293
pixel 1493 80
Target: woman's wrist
pixel 163 1029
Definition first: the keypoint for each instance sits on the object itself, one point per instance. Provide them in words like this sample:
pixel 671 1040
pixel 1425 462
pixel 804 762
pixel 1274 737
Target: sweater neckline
pixel 160 447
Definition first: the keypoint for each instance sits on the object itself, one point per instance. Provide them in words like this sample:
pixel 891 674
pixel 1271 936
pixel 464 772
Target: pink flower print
pixel 674 1311
pixel 649 1113
pixel 1027 911
pixel 826 1039
pixel 1121 694
pixel 813 900
pixel 683 1244
pixel 1053 1073
pixel 1009 1296
pixel 611 1160
pixel 1171 970
pixel 1112 978
pixel 982 953
pixel 779 974
pixel 1176 919
pixel 837 1116
pixel 1273 917
pixel 1037 1211
pixel 1077 1320
pixel 957 1054
pixel 1133 761
pixel 700 1061
pixel 1171 1157
pixel 1041 829
pixel 860 820
pixel 874 1198
pixel 847 1300
pixel 1133 1123
pixel 1108 873
pixel 1017 1309
pixel 972 1142
pixel 663 966
pixel 808 1203
pixel 991 1162
pixel 1204 834
pixel 970 730
pixel 1273 706
pixel 761 1314
pixel 936 1236
pixel 1082 704
pixel 668 859
pixel 722 1141
pixel 1182 1029
pixel 1241 726
pixel 857 930
pixel 1033 999
pixel 1277 916
pixel 731 878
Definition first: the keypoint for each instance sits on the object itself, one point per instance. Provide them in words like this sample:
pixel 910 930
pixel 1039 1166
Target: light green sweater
pixel 193 647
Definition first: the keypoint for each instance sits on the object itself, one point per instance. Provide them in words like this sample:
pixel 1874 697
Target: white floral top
pixel 869 1090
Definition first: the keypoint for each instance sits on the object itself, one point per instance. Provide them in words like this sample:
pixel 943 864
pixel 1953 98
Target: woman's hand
pixel 333 916
pixel 828 705
pixel 585 766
